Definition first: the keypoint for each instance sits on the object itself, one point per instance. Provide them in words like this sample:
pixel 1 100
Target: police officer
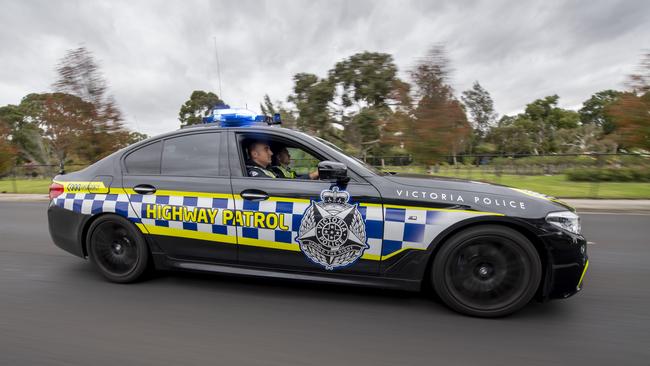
pixel 283 170
pixel 260 155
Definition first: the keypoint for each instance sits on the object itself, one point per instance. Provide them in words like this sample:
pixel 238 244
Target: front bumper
pixel 567 264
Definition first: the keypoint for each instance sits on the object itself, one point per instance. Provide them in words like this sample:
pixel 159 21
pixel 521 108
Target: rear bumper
pixel 66 229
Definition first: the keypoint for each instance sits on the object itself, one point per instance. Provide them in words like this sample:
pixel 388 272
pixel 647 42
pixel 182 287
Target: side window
pixel 264 155
pixel 191 155
pixel 301 161
pixel 145 160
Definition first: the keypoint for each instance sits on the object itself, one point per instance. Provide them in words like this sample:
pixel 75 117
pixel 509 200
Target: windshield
pixel 349 160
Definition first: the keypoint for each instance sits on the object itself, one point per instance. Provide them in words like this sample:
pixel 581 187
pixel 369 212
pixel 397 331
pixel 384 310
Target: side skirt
pixel 165 262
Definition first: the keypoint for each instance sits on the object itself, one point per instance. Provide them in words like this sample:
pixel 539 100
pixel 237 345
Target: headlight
pixel 566 220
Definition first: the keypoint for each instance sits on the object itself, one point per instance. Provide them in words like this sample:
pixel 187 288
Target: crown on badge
pixel 334 196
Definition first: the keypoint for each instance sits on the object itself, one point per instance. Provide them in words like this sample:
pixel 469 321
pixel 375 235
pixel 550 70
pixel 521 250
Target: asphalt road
pixel 55 310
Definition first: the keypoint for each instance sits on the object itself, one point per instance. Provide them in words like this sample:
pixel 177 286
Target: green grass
pixel 554 185
pixel 37 185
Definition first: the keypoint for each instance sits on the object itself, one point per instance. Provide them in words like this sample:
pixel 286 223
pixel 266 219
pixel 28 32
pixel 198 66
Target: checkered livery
pixel 139 201
pixel 403 227
pixel 92 203
pixel 293 212
pixel 415 228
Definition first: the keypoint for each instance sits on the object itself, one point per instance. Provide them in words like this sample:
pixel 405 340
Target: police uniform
pixel 284 172
pixel 255 170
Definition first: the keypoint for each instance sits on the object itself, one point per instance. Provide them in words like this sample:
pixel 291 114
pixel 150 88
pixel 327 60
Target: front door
pixel 179 188
pixel 301 223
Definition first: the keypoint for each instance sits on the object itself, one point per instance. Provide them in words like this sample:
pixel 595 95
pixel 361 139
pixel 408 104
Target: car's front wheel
pixel 117 249
pixel 486 271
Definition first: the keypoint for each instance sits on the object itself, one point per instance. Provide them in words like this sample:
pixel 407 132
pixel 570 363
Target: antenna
pixel 216 51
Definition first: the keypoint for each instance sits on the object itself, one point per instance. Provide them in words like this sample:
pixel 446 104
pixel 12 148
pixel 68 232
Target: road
pixel 55 310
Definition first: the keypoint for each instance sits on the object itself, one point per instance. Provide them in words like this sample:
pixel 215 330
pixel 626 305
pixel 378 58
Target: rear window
pixel 145 160
pixel 191 155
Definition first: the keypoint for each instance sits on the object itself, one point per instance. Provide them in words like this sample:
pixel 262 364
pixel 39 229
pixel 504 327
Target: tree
pixel 512 135
pixel 286 115
pixel 364 83
pixel 594 110
pixel 23 135
pixel 480 106
pixel 439 125
pixel 311 96
pixel 631 114
pixel 365 77
pixel 267 106
pixel 7 150
pixel 639 82
pixel 79 75
pixel 64 120
pixel 136 137
pixel 198 106
pixel 545 120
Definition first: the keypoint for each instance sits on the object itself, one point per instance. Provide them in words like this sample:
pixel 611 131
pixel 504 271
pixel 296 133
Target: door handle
pixel 145 189
pixel 254 195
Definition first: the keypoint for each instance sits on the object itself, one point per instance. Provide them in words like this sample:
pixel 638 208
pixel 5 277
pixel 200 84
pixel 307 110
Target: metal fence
pixel 488 167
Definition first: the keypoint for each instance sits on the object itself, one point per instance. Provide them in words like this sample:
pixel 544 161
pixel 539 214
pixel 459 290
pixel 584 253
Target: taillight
pixel 55 190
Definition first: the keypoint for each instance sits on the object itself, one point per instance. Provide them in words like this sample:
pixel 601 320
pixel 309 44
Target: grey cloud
pixel 155 53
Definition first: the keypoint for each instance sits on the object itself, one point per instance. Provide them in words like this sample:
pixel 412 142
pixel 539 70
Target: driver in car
pixel 259 164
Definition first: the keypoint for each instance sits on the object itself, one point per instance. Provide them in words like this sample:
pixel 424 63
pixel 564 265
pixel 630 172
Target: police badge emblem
pixel 332 232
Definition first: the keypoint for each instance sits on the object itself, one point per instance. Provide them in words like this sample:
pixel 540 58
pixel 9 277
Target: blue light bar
pixel 237 117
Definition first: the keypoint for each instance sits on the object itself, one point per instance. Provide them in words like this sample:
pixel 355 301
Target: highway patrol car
pixel 185 201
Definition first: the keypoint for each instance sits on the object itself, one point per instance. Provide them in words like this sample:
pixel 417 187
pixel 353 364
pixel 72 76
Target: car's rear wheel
pixel 487 271
pixel 117 249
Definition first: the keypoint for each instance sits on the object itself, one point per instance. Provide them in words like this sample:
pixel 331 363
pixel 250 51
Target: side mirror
pixel 332 170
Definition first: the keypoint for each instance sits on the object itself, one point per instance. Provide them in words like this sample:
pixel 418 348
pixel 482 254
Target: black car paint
pixel 560 251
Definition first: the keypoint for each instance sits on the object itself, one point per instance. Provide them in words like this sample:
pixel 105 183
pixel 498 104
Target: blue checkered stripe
pixel 415 228
pixel 92 203
pixel 138 202
pixel 293 213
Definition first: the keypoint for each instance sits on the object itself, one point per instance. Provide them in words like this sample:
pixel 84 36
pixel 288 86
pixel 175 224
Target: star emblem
pixel 345 215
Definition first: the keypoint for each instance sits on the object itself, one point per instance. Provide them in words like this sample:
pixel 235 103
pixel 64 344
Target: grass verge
pixel 554 185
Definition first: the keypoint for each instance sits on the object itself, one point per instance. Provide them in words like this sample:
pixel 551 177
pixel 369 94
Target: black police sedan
pixel 185 201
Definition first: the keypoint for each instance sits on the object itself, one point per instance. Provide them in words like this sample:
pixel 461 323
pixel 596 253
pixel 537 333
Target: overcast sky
pixel 155 53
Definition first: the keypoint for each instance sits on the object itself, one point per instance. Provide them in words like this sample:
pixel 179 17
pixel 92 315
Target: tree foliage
pixel 311 96
pixel 198 106
pixel 439 124
pixel 79 75
pixel 594 110
pixel 480 106
pixel 7 150
pixel 631 114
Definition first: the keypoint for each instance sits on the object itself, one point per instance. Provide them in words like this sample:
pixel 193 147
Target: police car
pixel 194 199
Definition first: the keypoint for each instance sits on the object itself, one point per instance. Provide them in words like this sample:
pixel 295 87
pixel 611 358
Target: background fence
pixel 583 173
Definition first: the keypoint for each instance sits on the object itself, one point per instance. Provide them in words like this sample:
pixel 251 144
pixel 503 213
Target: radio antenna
pixel 216 52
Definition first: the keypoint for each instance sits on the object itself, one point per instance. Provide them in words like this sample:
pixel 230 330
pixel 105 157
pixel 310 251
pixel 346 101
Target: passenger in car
pixel 283 170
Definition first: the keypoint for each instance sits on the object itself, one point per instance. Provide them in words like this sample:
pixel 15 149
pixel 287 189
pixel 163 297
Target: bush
pixel 630 174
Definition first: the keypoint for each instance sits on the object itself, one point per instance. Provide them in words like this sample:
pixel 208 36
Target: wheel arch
pixel 88 224
pixel 522 227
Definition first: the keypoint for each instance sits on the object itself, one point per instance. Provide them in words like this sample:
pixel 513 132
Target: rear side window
pixel 145 160
pixel 191 155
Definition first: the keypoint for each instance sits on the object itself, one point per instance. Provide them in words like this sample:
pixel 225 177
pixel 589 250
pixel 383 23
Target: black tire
pixel 117 249
pixel 486 271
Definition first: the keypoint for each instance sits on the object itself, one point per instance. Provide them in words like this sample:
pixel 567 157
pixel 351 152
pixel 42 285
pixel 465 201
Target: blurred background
pixel 552 99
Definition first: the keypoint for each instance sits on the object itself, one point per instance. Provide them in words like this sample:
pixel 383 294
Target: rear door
pixel 304 224
pixel 179 188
